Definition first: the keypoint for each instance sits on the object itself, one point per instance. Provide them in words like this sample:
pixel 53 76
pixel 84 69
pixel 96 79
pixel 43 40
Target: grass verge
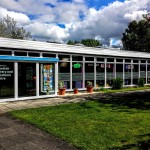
pixel 94 125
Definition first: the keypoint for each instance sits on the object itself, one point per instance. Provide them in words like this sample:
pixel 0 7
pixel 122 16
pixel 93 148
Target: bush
pixel 141 82
pixel 117 83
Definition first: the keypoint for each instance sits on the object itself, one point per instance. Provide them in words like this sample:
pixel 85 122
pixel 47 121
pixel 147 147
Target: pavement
pixel 18 135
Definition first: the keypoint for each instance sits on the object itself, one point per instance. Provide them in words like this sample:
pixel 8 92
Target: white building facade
pixel 31 69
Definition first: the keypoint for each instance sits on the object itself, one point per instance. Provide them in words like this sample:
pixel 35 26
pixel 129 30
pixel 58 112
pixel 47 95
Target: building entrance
pixel 26 79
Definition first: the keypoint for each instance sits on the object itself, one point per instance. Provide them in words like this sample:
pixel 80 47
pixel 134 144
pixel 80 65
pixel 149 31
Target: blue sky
pixel 63 20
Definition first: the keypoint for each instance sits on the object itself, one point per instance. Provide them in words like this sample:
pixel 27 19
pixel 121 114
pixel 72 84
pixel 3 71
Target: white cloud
pixel 47 31
pixel 21 18
pixel 107 22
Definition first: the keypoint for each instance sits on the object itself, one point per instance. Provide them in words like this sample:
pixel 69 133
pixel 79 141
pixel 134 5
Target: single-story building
pixel 29 68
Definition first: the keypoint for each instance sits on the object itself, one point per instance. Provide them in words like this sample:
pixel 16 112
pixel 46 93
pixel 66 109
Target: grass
pixel 112 122
pixel 125 89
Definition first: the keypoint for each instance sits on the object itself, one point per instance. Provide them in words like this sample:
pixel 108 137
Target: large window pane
pixel 6 80
pixel 143 72
pixel 77 75
pixel 119 71
pixel 127 74
pixel 64 73
pixel 89 72
pixel 135 73
pixel 110 73
pixel 100 74
pixel 148 73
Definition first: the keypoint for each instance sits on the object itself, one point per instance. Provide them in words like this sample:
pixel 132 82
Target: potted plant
pixel 61 88
pixel 89 86
pixel 75 90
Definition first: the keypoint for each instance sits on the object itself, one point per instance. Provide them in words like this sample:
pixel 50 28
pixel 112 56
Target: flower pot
pixel 75 91
pixel 89 89
pixel 47 67
pixel 62 91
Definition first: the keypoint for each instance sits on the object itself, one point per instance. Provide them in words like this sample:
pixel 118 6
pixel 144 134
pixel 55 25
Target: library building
pixel 28 69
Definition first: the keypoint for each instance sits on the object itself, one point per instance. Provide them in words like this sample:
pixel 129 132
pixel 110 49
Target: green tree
pixel 10 29
pixel 70 42
pixel 137 36
pixel 90 42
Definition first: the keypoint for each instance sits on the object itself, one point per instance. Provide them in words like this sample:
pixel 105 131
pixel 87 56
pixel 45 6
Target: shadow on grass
pixel 137 100
pixel 141 145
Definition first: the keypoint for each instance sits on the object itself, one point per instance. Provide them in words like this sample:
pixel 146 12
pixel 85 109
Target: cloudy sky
pixel 61 20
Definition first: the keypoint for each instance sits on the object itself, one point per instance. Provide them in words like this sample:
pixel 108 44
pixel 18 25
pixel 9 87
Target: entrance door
pixel 26 79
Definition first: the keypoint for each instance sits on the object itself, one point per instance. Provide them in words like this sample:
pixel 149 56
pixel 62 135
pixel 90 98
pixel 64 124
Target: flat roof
pixel 70 49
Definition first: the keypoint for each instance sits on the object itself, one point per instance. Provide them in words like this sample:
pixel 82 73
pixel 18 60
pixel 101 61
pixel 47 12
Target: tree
pixel 90 42
pixel 137 36
pixel 10 29
pixel 71 42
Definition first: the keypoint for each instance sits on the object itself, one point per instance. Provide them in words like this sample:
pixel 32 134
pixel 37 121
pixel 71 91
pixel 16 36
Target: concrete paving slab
pixel 7 132
pixel 26 146
pixel 17 135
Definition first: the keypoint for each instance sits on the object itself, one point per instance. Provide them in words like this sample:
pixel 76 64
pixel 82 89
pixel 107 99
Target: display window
pixel 6 80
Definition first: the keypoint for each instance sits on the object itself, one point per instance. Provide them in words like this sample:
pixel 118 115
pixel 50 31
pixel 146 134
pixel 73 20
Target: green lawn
pixel 111 123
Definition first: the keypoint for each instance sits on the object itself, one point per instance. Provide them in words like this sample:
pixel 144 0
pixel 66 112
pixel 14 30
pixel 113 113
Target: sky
pixel 63 20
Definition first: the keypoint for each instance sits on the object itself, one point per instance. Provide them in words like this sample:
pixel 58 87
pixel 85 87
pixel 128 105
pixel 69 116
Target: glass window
pixel 119 60
pixel 89 58
pixel 127 74
pixel 148 74
pixel 143 72
pixel 143 61
pixel 6 80
pixel 128 60
pixel 64 73
pixel 77 58
pixel 100 74
pixel 49 55
pixel 20 53
pixel 135 61
pixel 119 71
pixel 110 59
pixel 77 75
pixel 110 73
pixel 33 54
pixel 101 59
pixel 64 57
pixel 89 73
pixel 135 69
pixel 2 52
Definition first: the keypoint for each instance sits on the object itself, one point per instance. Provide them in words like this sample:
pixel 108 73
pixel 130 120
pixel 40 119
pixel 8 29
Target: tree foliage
pixel 137 36
pixel 86 42
pixel 70 42
pixel 10 29
pixel 90 42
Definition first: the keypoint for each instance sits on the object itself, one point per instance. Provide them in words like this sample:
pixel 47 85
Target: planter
pixel 75 91
pixel 48 67
pixel 62 91
pixel 89 89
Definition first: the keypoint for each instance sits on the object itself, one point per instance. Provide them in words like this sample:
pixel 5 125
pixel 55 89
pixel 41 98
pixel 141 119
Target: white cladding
pixel 63 48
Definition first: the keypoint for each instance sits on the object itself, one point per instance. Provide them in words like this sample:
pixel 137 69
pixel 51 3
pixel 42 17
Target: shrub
pixel 141 82
pixel 117 83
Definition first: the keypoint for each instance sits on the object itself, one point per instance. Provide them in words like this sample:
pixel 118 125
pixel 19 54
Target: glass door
pixel 26 79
